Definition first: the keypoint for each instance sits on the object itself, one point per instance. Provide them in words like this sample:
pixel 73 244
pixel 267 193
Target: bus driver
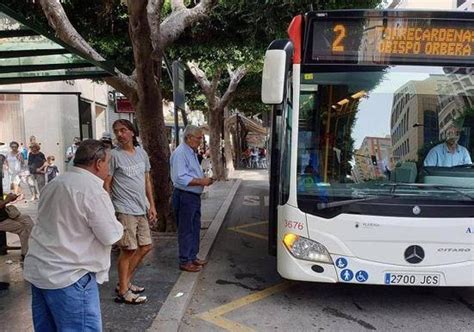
pixel 449 153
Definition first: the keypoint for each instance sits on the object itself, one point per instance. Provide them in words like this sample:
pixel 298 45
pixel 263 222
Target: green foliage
pixel 238 32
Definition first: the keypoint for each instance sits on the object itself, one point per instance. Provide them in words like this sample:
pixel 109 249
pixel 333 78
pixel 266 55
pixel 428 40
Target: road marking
pixel 214 316
pixel 241 229
pixel 250 200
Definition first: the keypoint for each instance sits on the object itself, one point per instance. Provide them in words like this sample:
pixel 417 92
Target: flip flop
pixel 130 298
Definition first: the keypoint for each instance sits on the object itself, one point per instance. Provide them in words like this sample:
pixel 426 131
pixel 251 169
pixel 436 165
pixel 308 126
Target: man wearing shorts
pixel 130 186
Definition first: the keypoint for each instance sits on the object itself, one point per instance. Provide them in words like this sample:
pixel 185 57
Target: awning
pixel 249 124
pixel 28 54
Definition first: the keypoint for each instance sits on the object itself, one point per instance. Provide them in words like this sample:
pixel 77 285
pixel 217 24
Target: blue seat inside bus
pixel 404 173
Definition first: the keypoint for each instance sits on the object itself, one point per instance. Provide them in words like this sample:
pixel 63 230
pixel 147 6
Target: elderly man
pixel 189 182
pixel 70 245
pixel 449 153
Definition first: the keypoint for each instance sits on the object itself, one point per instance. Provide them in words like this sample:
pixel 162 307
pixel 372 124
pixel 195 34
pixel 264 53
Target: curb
pixel 171 313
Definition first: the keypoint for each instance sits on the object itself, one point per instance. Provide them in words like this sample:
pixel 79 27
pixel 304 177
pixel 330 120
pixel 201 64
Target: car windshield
pixel 399 132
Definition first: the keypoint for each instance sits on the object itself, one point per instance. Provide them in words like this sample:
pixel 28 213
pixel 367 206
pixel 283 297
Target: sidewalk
pixel 158 273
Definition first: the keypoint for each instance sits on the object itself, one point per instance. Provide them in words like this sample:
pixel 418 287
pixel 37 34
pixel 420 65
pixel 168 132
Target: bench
pixel 4 247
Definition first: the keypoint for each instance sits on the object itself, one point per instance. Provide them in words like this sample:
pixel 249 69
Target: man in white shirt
pixel 70 245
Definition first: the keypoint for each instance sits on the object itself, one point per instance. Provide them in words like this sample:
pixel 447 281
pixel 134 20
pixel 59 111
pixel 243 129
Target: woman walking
pixel 14 163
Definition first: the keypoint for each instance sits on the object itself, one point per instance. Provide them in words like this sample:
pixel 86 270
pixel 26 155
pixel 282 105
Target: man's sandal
pixel 130 298
pixel 134 288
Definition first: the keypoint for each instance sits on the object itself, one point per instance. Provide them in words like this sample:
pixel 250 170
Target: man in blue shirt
pixel 189 182
pixel 449 153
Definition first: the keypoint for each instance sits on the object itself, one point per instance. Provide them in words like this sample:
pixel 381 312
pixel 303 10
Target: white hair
pixel 191 130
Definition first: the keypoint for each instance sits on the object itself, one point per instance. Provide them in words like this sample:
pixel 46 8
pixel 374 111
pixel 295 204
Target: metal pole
pixel 175 109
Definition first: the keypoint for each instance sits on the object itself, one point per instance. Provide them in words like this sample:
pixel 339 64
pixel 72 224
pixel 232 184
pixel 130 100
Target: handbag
pixel 12 211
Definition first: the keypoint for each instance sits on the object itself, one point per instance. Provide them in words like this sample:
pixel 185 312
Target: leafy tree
pixel 236 36
pixel 152 25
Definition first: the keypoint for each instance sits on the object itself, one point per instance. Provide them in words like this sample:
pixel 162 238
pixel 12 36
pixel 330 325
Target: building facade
pixel 373 158
pixel 55 113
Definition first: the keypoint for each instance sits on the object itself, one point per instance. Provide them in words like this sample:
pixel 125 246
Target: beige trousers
pixel 22 227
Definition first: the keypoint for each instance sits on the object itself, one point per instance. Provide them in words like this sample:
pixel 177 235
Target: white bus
pixel 371 178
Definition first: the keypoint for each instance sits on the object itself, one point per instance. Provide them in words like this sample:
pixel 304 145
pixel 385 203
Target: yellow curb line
pixel 239 229
pixel 214 316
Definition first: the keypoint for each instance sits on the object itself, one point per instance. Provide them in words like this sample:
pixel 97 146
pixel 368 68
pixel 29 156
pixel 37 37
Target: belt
pixel 187 192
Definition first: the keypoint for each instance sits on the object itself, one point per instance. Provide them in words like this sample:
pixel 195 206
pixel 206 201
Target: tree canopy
pixel 237 32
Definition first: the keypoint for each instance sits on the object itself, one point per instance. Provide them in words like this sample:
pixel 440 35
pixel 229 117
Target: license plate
pixel 415 279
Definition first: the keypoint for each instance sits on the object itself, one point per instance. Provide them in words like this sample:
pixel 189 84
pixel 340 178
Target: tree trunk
pixel 229 157
pixel 216 119
pixel 149 111
pixel 150 34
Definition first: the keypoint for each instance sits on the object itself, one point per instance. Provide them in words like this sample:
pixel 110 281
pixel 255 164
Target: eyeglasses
pixel 198 137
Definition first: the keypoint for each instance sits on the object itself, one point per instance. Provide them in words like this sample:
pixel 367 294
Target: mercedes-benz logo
pixel 416 210
pixel 414 254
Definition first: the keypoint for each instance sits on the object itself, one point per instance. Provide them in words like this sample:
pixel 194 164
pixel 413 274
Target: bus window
pixel 363 133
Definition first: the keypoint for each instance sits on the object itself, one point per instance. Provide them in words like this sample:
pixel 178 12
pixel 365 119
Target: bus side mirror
pixel 273 78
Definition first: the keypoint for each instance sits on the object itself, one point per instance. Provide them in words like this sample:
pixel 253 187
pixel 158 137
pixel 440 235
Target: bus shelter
pixel 29 54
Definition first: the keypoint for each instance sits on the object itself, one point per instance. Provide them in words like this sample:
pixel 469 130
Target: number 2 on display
pixel 337 45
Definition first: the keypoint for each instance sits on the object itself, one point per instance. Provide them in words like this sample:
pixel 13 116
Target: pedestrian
pixel 189 182
pixel 36 160
pixel 107 140
pixel 130 186
pixel 14 163
pixel 71 150
pixel 19 224
pixel 70 245
pixel 50 170
pixel 3 285
pixel 2 163
pixel 24 151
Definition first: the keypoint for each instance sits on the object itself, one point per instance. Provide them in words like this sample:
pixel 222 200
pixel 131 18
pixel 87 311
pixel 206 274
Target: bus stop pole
pixel 175 109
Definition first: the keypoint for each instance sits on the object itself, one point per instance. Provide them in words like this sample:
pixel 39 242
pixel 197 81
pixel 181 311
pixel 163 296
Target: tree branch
pixel 58 20
pixel 154 18
pixel 177 5
pixel 215 79
pixel 181 18
pixel 200 77
pixel 235 78
pixel 139 30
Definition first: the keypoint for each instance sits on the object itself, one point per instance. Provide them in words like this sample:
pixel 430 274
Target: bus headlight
pixel 303 248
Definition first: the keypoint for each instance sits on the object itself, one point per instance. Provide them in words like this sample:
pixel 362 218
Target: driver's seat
pixel 405 173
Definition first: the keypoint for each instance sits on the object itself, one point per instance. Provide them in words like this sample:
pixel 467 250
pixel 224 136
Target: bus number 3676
pixel 294 225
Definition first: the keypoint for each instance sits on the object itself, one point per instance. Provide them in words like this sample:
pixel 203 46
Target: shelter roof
pixel 28 54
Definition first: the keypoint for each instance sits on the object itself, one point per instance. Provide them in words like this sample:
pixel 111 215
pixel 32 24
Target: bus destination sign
pixel 392 40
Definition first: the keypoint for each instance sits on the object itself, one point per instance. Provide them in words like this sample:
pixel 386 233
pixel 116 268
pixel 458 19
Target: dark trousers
pixel 187 209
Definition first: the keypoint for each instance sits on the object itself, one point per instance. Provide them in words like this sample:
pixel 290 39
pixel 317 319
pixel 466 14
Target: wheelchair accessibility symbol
pixel 361 276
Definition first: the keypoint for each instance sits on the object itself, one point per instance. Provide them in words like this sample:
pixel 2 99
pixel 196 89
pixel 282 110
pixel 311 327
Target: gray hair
pixel 89 151
pixel 191 130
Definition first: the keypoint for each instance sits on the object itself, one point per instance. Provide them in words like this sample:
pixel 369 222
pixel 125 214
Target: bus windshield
pixel 391 134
